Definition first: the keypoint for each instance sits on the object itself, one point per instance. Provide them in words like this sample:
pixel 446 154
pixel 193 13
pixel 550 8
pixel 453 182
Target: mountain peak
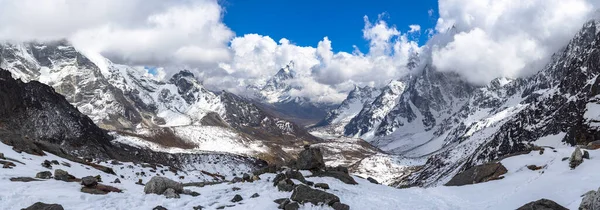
pixel 286 72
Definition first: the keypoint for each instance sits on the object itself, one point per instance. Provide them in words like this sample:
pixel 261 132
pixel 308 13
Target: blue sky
pixel 306 22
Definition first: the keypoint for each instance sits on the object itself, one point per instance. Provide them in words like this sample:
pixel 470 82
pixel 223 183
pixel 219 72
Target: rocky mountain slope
pixel 455 125
pixel 178 113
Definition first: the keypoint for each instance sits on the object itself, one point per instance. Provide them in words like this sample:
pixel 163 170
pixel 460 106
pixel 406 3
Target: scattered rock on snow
pixel 576 158
pixel 282 202
pixel 2 156
pixel 338 174
pixel 47 164
pixel 310 159
pixel 542 204
pixel 235 189
pixel 44 175
pixel 23 179
pixel 255 195
pixel 158 185
pixel 198 207
pixel 478 174
pixel 305 194
pixel 190 192
pixel 534 167
pixel 100 189
pixel 370 179
pixel 586 154
pixel 593 145
pixel 322 186
pixel 237 198
pixel 117 180
pixel 44 206
pixel 54 162
pixel 159 208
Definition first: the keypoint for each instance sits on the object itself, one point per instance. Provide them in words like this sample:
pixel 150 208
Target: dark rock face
pixel 310 159
pixel 478 174
pixel 372 180
pixel 340 175
pixel 44 206
pixel 322 186
pixel 305 194
pixel 63 176
pixel 542 204
pixel 340 206
pixel 161 208
pixel 26 107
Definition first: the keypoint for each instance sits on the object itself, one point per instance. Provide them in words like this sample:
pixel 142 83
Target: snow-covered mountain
pixel 130 102
pixel 455 125
pixel 276 94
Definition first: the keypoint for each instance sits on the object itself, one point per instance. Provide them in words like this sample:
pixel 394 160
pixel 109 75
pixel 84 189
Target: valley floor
pixel 556 181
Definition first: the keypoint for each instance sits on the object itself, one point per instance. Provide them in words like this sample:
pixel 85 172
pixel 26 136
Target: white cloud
pixel 414 28
pixel 504 38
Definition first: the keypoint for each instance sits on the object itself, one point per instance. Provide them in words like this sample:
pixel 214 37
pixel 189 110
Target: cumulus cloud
pixel 148 32
pixel 504 38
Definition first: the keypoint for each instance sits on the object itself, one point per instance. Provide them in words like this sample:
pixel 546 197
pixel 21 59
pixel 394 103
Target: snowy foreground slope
pixel 556 181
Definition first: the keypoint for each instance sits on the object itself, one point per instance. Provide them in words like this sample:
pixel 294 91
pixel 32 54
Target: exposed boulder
pixel 322 186
pixel 2 156
pixel 478 174
pixel 117 180
pixel 237 198
pixel 305 194
pixel 586 154
pixel 542 204
pixel 198 207
pixel 534 167
pixel 591 201
pixel 310 159
pixel 170 193
pixel 340 206
pixel 593 145
pixel 99 189
pixel 89 181
pixel 278 178
pixel 576 158
pixel 255 195
pixel 282 202
pixel 292 174
pixel 63 176
pixel 372 180
pixel 44 206
pixel 190 193
pixel 158 185
pixel 44 175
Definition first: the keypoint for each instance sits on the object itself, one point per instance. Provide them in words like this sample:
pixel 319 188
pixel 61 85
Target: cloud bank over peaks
pixel 504 38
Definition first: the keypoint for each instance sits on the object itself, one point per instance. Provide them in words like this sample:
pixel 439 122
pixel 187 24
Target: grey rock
pixel 170 193
pixel 278 178
pixel 158 185
pixel 237 198
pixel 44 206
pixel 340 206
pixel 478 174
pixel 340 175
pixel 542 204
pixel 292 206
pixel 576 158
pixel 2 155
pixel 93 190
pixel 44 175
pixel 62 175
pixel 310 159
pixel 236 179
pixel 117 180
pixel 285 186
pixel 54 162
pixel 305 194
pixel 370 179
pixel 291 174
pixel 235 189
pixel 322 186
pixel 191 193
pixel 66 164
pixel 198 207
pixel 23 179
pixel 255 195
pixel 89 181
pixel 282 202
pixel 247 177
pixel 590 201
